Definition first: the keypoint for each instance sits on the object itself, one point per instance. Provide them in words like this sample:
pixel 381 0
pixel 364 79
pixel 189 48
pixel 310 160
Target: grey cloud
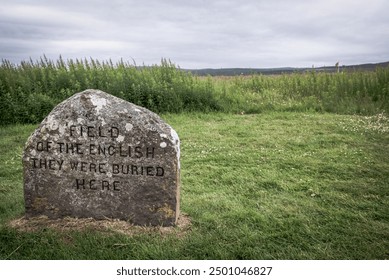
pixel 197 34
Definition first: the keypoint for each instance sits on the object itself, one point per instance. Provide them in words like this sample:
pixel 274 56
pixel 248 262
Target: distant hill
pixel 282 70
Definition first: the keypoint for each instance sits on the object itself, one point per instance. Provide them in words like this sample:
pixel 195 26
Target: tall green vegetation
pixel 359 92
pixel 29 90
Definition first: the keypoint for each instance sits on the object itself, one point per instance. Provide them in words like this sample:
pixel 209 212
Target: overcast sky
pixel 198 34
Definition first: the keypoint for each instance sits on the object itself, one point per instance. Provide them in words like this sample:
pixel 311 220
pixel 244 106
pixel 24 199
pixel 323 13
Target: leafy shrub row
pixel 29 90
pixel 353 92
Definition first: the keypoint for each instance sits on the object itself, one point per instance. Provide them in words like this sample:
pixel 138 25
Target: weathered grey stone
pixel 98 156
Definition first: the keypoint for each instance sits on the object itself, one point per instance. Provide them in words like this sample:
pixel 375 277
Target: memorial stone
pixel 98 156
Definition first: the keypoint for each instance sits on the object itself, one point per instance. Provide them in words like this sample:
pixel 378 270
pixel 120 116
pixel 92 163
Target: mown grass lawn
pixel 263 186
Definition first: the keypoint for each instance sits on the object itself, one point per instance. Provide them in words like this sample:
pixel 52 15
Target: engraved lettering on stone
pixel 106 158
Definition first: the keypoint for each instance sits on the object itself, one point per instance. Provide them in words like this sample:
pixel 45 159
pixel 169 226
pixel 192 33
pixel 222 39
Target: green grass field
pixel 275 185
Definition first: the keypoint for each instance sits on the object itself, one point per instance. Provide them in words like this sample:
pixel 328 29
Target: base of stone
pixel 106 226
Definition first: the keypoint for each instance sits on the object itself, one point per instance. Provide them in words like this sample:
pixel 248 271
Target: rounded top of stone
pixel 97 105
pixel 99 100
pixel 97 108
